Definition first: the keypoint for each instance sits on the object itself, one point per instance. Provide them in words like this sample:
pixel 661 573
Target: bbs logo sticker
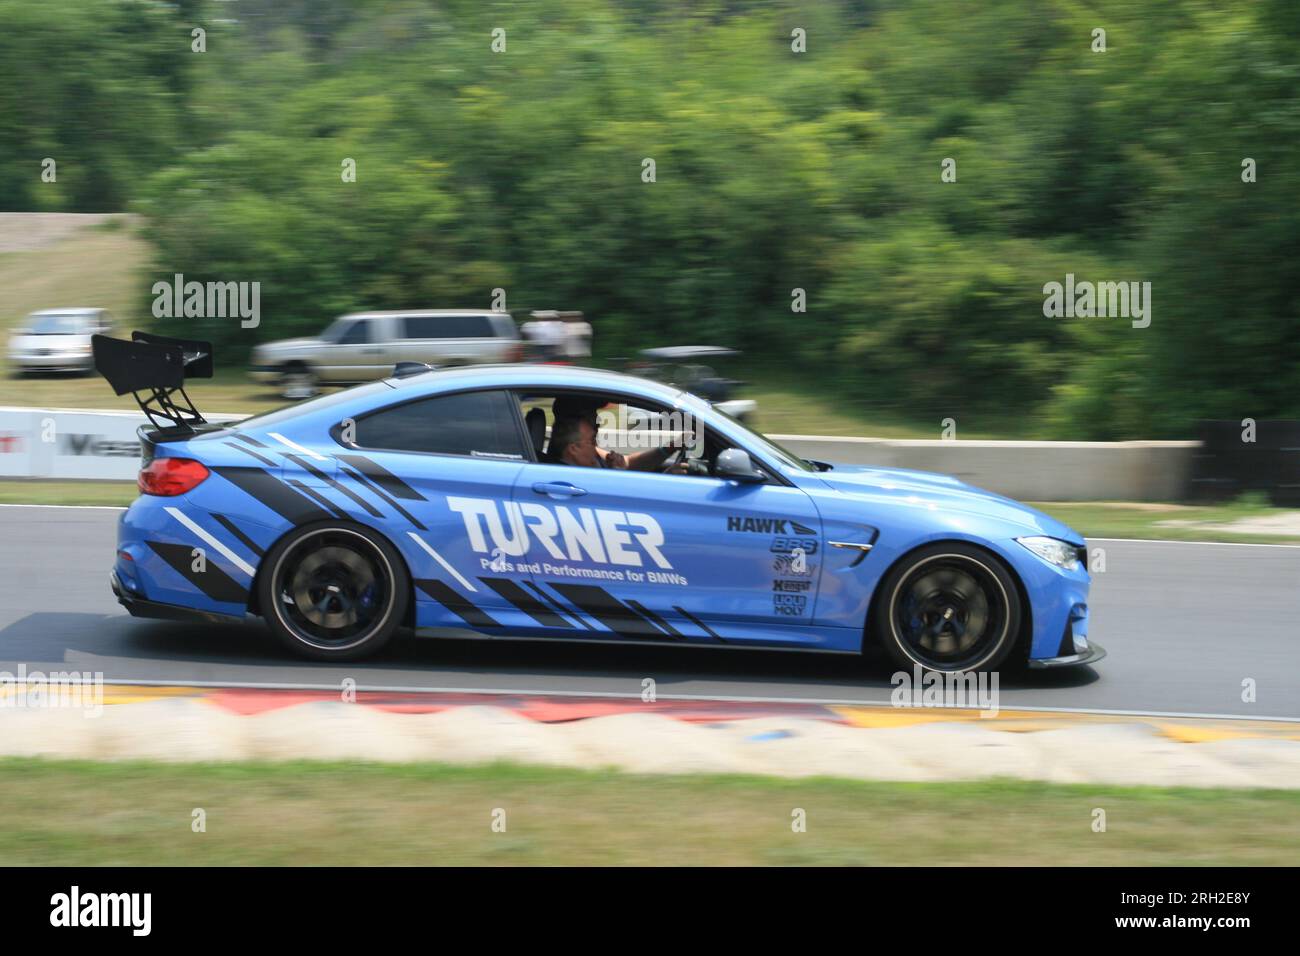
pixel 786 545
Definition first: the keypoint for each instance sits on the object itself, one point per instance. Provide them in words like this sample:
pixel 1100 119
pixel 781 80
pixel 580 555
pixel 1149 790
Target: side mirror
pixel 734 464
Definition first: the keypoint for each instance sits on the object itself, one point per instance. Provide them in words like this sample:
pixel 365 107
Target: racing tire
pixel 948 607
pixel 333 591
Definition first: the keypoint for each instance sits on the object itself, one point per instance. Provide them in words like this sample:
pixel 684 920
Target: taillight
pixel 170 477
pixel 516 353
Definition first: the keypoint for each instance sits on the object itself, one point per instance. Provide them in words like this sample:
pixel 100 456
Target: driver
pixel 569 409
pixel 573 442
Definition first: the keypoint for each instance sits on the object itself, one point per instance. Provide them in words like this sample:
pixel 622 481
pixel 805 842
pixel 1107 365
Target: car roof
pixel 690 351
pixel 534 375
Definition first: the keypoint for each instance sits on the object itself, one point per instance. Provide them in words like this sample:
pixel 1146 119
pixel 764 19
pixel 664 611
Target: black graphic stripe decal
pixel 654 619
pixel 365 483
pixel 275 494
pixel 551 602
pixel 212 581
pixel 316 496
pixel 383 477
pixel 521 599
pixel 608 610
pixel 307 466
pixel 248 451
pixel 700 624
pixel 244 539
pixel 470 613
pixel 252 441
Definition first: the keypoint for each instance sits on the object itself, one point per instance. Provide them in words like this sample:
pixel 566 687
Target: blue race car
pixel 483 502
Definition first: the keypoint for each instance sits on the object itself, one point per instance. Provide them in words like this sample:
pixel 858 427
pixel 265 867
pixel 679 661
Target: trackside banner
pixel 72 443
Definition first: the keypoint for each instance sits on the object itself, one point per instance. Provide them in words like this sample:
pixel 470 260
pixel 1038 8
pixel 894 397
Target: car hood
pixel 944 491
pixel 289 345
pixel 59 342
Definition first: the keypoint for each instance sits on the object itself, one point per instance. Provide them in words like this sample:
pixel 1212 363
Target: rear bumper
pixel 139 607
pixel 1091 655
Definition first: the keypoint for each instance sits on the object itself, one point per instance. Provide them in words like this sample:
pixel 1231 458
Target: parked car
pixel 685 367
pixel 57 340
pixel 367 345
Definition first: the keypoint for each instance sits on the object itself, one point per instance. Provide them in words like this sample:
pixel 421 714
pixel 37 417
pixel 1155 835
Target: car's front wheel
pixel 297 381
pixel 948 607
pixel 333 592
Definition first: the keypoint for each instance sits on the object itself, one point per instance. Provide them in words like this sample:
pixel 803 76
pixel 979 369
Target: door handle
pixel 558 489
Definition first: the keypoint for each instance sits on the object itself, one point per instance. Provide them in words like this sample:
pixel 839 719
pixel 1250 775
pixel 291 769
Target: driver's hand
pixel 616 460
pixel 680 468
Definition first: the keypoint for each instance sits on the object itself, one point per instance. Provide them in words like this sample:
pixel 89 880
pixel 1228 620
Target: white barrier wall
pixel 78 443
pixel 1027 470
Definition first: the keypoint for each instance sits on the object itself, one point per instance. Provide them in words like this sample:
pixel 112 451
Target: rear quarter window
pixel 475 424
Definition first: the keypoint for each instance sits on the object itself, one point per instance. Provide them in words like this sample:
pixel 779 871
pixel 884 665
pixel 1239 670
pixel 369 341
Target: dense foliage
pixel 775 170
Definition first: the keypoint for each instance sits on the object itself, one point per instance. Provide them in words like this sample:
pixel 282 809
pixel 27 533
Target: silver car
pixel 366 345
pixel 57 340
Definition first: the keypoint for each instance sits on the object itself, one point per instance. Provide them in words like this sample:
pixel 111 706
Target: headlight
pixel 1053 551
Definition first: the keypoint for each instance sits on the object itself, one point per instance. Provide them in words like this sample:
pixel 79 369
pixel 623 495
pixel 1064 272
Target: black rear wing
pixel 153 368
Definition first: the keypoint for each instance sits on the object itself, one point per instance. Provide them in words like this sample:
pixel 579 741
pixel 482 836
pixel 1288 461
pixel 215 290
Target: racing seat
pixel 536 422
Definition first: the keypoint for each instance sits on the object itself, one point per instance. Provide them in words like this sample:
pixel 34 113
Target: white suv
pixel 57 340
pixel 366 345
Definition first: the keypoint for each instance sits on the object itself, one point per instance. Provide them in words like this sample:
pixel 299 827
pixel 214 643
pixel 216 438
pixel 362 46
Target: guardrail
pixel 98 445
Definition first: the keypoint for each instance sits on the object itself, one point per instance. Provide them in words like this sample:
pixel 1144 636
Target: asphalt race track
pixel 1184 624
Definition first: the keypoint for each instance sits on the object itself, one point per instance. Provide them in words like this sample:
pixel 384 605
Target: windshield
pixel 758 442
pixel 336 329
pixel 61 323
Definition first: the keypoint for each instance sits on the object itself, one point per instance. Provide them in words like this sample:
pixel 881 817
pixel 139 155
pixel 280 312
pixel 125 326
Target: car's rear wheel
pixel 334 592
pixel 948 607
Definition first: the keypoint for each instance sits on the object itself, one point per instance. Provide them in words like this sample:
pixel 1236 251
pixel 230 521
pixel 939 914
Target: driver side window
pixel 355 334
pixel 631 433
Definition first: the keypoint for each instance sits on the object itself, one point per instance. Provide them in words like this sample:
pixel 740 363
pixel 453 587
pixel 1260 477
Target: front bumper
pixel 59 362
pixel 1091 655
pixel 140 607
